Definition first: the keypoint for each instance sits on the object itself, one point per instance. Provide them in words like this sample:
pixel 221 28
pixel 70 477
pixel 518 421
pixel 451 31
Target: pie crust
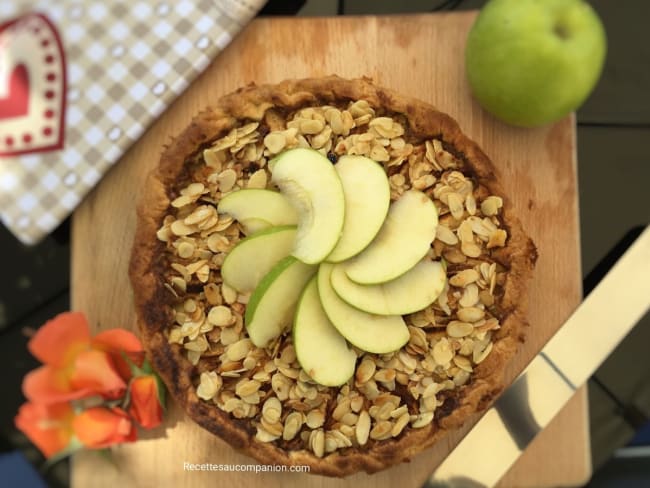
pixel 431 135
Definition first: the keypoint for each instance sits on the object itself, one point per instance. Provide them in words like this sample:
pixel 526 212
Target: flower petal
pixel 49 385
pixel 102 427
pixel 94 371
pixel 59 339
pixel 117 340
pixel 145 407
pixel 49 427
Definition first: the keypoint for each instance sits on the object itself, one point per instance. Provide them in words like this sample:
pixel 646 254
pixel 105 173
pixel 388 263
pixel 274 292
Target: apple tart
pixel 328 273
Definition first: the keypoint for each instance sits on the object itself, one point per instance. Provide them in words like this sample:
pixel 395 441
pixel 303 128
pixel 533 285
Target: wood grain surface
pixel 419 55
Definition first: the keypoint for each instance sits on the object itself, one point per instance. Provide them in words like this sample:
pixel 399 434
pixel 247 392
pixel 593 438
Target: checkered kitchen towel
pixel 80 80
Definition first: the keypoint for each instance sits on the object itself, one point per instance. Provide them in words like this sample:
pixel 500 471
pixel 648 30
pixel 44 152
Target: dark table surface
pixel 614 171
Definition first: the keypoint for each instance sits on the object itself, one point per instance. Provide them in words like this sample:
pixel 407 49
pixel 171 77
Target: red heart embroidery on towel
pixel 32 86
pixel 16 103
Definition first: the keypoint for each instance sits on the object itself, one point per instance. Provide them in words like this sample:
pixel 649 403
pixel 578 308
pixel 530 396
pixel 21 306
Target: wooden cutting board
pixel 419 55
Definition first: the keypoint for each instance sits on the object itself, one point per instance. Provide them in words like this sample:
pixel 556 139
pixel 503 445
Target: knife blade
pixel 572 355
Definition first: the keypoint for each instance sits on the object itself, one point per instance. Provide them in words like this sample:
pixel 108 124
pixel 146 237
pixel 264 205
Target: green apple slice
pixel 253 225
pixel 413 291
pixel 367 197
pixel 247 263
pixel 403 240
pixel 271 307
pixel 256 205
pixel 312 186
pixel 321 350
pixel 379 334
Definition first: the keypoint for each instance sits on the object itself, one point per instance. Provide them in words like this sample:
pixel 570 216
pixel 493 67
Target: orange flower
pixel 101 427
pixel 49 427
pixel 145 405
pixel 55 427
pixel 76 365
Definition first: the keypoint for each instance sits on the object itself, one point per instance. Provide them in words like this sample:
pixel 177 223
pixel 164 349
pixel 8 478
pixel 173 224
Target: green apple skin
pixel 379 334
pixel 271 307
pixel 321 351
pixel 531 62
pixel 367 197
pixel 404 239
pixel 311 184
pixel 255 205
pixel 247 263
pixel 411 292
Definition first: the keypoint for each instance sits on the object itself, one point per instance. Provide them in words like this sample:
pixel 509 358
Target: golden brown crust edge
pixel 250 103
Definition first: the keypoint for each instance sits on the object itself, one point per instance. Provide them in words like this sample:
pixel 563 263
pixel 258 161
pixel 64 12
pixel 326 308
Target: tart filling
pixel 259 398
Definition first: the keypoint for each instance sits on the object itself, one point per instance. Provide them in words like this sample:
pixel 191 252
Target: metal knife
pixel 592 332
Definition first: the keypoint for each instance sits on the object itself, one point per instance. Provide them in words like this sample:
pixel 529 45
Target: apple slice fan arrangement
pixel 335 260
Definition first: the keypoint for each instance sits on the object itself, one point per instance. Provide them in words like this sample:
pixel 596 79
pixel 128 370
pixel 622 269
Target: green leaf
pixel 146 367
pixel 162 391
pixel 135 371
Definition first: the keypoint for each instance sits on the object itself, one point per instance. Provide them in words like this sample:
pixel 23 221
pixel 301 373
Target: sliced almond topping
pixel 258 179
pixel 272 410
pixel 179 228
pixel 220 316
pixel 200 214
pixel 455 203
pixel 292 425
pixel 362 430
pixel 317 442
pixel 185 250
pixel 491 205
pixel 365 370
pixel 442 352
pixel 238 350
pixel 481 351
pixel 497 239
pixel 381 430
pixel 209 385
pixel 247 387
pixel 226 180
pixel 212 158
pixel 470 314
pixel 341 409
pixel 463 363
pixel 421 420
pixel 217 242
pixel 455 328
pixel 464 278
pixel 470 296
pixel 311 126
pixel 203 273
pixel 315 419
pixel 229 335
pixel 263 435
pixel 400 424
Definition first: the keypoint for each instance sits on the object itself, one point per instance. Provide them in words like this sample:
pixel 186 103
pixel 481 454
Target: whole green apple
pixel 531 62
